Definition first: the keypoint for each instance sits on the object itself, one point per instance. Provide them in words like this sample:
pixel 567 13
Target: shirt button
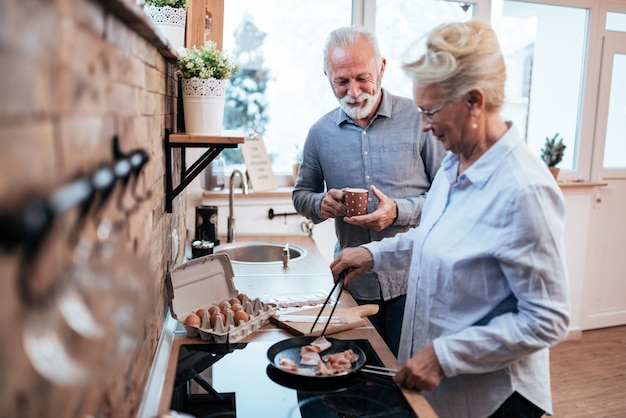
pixel 364 133
pixel 367 177
pixel 365 153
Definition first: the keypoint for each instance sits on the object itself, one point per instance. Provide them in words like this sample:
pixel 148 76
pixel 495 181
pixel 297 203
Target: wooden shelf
pixel 227 138
pixel 214 144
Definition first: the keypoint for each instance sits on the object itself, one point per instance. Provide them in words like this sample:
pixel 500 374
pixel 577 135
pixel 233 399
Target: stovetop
pixel 236 380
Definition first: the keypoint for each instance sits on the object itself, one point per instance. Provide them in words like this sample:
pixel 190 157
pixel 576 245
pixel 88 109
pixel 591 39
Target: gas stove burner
pixel 306 383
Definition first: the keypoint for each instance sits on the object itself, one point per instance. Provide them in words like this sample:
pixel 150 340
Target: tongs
pixel 339 283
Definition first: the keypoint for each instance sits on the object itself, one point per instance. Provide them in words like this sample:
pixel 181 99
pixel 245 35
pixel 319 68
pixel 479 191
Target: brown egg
pixel 241 316
pixel 224 305
pixel 193 320
pixel 213 309
pixel 236 307
pixel 217 317
pixel 241 296
pixel 234 301
pixel 200 312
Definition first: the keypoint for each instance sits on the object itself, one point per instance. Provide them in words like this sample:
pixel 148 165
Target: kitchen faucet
pixel 286 255
pixel 230 236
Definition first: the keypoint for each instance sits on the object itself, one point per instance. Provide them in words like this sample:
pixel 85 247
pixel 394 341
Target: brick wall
pixel 73 75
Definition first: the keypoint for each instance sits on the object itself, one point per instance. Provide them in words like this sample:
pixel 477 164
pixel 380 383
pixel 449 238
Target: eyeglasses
pixel 430 114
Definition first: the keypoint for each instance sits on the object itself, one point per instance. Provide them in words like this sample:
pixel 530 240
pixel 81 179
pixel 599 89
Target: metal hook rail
pixel 27 227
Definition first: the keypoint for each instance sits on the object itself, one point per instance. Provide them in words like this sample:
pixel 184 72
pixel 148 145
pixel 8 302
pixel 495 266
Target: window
pixel 278 45
pixel 615 146
pixel 616 21
pixel 550 46
pixel 397 31
pixel 544 88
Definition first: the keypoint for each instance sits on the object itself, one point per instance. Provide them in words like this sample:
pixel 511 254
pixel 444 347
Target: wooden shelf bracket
pixel 214 145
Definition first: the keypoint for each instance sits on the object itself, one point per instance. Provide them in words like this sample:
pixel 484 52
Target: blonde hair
pixel 460 57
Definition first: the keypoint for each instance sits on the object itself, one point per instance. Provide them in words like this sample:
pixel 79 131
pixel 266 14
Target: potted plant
pixel 552 153
pixel 170 16
pixel 204 72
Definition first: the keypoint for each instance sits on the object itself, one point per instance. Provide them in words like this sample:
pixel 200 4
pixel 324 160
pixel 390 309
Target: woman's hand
pixel 356 260
pixel 422 371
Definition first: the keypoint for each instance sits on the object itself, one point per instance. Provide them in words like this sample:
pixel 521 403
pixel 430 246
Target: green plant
pixel 552 151
pixel 177 4
pixel 205 62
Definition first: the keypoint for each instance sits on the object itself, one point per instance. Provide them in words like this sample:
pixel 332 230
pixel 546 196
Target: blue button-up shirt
pixel 391 153
pixel 488 283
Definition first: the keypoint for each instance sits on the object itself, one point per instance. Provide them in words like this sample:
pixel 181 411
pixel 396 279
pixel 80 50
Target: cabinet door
pixel 604 295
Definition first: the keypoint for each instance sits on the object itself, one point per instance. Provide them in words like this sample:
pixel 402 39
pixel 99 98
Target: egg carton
pixel 205 282
pixel 229 331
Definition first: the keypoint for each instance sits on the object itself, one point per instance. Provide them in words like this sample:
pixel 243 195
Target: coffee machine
pixel 206 231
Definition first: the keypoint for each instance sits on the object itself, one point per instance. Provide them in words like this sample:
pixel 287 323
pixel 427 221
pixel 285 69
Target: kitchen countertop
pixel 319 278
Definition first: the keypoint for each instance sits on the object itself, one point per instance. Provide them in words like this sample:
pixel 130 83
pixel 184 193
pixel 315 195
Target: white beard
pixel 356 112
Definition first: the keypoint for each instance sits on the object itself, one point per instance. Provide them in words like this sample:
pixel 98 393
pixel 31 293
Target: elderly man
pixel 373 140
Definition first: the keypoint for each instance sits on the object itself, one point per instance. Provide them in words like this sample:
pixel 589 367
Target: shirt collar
pixel 383 110
pixel 481 171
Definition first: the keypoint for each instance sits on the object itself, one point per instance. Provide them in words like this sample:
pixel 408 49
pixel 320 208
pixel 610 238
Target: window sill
pixel 566 184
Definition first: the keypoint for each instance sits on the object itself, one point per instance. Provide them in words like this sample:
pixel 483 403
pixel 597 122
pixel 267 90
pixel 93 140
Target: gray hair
pixel 348 36
pixel 460 57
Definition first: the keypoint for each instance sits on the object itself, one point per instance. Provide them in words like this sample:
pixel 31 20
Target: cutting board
pixel 354 316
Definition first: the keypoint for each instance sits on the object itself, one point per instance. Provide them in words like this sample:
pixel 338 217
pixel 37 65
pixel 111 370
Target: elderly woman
pixel 488 291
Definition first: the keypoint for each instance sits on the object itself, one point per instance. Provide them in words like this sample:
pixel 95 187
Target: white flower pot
pixel 203 105
pixel 171 22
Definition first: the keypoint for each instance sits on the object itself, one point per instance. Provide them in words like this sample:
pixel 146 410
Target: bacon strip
pixel 322 343
pixel 309 358
pixel 327 365
pixel 340 362
pixel 287 364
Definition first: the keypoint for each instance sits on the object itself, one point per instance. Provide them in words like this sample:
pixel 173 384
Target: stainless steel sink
pixel 260 252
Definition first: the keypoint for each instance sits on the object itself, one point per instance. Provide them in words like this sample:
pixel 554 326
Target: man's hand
pixel 332 204
pixel 422 371
pixel 356 260
pixel 384 215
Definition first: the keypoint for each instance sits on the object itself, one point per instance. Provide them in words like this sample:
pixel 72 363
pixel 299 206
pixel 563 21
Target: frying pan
pixel 291 348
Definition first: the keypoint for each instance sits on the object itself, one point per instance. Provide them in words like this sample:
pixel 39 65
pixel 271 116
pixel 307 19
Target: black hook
pixel 36 222
pixel 271 214
pixel 136 161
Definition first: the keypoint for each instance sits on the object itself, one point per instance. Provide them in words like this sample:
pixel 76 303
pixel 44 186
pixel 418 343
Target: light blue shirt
pixel 391 153
pixel 488 284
